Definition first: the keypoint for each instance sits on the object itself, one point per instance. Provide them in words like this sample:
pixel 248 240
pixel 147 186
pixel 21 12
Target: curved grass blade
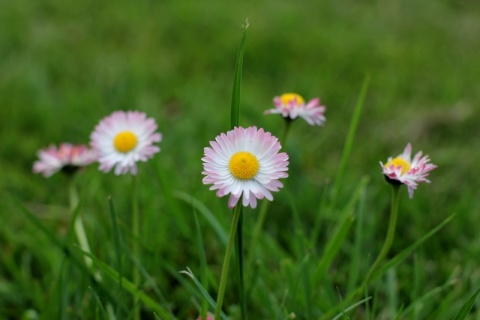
pixel 127 285
pixel 402 255
pixel 202 290
pixel 463 313
pixel 207 214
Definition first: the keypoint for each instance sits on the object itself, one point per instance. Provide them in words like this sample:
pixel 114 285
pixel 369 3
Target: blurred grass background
pixel 65 65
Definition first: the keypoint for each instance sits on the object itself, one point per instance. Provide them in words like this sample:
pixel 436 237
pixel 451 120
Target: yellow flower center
pixel 243 165
pixel 399 162
pixel 125 141
pixel 287 97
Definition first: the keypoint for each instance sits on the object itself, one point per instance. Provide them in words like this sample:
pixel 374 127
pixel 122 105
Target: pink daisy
pixel 124 138
pixel 403 170
pixel 67 157
pixel 245 162
pixel 292 105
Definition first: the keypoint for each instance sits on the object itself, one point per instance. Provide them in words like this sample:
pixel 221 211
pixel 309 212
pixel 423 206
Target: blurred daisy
pixel 124 138
pixel 67 158
pixel 245 162
pixel 292 106
pixel 404 170
pixel 209 317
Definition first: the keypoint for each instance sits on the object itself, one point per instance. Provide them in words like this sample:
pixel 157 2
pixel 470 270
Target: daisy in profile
pixel 292 106
pixel 124 138
pixel 245 163
pixel 404 170
pixel 67 158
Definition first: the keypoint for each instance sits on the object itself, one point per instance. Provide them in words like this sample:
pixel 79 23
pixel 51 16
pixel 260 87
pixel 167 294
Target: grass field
pixel 66 65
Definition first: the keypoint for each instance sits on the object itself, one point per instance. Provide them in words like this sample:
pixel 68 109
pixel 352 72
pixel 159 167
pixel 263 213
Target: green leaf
pixel 467 306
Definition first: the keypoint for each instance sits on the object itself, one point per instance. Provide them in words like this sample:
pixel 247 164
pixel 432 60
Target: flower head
pixel 67 158
pixel 404 170
pixel 209 317
pixel 292 105
pixel 124 138
pixel 245 162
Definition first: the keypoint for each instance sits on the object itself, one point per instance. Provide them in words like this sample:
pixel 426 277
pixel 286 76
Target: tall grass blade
pixel 237 81
pixel 347 149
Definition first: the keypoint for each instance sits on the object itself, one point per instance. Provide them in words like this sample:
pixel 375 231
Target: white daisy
pixel 124 138
pixel 245 163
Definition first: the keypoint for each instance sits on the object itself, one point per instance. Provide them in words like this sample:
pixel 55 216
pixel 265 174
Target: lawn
pixel 66 65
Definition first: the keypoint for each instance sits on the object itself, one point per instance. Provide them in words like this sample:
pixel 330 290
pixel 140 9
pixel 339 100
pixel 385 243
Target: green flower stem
pixel 135 246
pixel 390 234
pixel 226 260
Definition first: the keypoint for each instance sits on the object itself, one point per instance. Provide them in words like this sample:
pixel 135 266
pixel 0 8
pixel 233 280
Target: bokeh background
pixel 64 65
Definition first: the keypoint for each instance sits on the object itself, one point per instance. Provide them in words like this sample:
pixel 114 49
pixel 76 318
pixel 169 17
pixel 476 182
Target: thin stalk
pixel 226 260
pixel 390 234
pixel 135 246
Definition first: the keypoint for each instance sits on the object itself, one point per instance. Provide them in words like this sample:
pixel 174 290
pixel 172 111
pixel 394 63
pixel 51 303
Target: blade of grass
pixel 423 299
pixel 203 264
pixel 403 254
pixel 127 285
pixel 206 213
pixel 463 313
pixel 118 251
pixel 237 80
pixel 393 262
pixel 357 258
pixel 347 149
pixel 64 248
pixel 99 304
pixel 353 306
pixel 335 243
pixel 202 290
pixel 234 121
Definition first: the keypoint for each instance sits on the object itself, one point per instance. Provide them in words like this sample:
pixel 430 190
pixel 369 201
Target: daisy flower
pixel 292 106
pixel 245 162
pixel 404 170
pixel 124 138
pixel 67 158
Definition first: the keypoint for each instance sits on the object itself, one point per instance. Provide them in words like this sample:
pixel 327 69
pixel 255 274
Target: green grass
pixel 64 66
